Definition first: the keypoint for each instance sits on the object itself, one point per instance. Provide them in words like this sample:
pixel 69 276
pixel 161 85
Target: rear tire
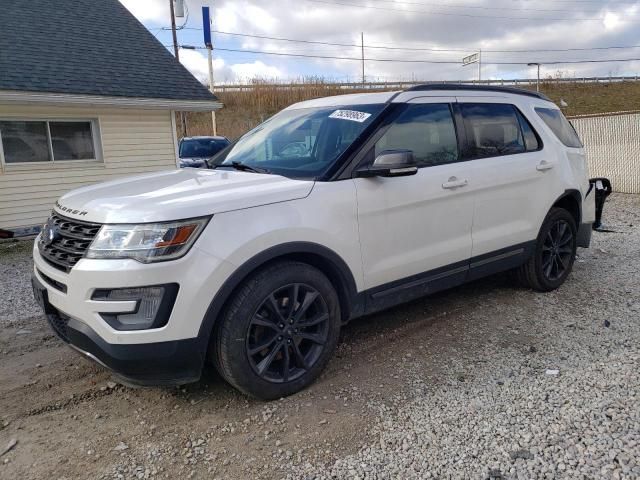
pixel 554 253
pixel 278 331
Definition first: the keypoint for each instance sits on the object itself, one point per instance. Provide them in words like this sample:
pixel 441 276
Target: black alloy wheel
pixel 554 253
pixel 557 250
pixel 287 333
pixel 278 330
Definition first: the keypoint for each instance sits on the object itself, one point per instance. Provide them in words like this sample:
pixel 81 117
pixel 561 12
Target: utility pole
pixel 183 117
pixel 206 27
pixel 535 64
pixel 362 45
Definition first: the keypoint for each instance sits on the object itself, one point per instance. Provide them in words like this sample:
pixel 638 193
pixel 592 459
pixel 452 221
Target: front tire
pixel 554 254
pixel 279 331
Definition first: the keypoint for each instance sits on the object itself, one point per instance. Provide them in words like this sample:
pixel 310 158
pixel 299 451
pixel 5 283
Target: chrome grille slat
pixel 73 241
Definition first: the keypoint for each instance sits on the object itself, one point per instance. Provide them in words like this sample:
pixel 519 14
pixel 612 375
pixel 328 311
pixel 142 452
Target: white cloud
pixel 247 71
pixel 546 25
pixel 148 10
pixel 198 64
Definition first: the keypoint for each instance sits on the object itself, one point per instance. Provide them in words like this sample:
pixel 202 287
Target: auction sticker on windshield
pixel 352 115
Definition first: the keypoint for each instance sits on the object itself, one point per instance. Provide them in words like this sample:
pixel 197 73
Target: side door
pixel 511 179
pixel 415 231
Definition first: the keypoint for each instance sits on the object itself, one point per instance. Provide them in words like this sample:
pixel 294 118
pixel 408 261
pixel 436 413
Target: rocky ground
pixel 487 381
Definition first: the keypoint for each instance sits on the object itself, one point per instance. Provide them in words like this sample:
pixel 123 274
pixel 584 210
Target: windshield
pixel 201 147
pixel 300 143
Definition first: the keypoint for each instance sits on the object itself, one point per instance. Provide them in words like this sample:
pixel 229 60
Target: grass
pixel 244 110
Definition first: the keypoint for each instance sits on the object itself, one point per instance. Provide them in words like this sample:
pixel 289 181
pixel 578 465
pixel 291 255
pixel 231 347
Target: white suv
pixel 332 209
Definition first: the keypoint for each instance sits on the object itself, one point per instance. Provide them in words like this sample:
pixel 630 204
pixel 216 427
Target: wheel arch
pixel 318 256
pixel 570 200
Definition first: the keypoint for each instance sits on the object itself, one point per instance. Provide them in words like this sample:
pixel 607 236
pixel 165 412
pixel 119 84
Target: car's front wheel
pixel 279 331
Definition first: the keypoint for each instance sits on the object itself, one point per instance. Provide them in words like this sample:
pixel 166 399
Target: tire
pixel 298 338
pixel 554 253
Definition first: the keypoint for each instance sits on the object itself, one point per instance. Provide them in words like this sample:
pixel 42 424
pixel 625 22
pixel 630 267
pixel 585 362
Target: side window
pixel 531 140
pixel 426 129
pixel 560 126
pixel 493 129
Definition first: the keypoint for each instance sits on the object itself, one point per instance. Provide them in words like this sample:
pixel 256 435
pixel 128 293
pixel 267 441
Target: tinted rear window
pixel 201 147
pixel 493 129
pixel 560 126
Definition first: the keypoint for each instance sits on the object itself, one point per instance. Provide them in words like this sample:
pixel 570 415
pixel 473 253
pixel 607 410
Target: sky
pixel 416 31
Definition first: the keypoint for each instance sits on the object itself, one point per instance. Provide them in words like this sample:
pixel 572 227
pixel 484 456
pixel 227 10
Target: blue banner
pixel 206 26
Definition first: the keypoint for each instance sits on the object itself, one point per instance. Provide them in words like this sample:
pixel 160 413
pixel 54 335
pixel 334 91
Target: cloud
pixel 461 28
pixel 198 64
pixel 148 10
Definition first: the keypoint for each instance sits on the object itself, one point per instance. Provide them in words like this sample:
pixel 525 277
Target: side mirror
pixel 391 163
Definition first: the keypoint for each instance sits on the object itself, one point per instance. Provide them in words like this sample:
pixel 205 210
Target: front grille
pixel 70 241
pixel 58 322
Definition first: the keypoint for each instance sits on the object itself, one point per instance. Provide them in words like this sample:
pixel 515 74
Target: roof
pixel 348 99
pixel 476 88
pixel 88 47
pixel 409 93
pixel 205 137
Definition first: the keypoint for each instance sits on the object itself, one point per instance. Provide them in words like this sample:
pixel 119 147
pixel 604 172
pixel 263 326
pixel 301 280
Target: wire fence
pixel 612 144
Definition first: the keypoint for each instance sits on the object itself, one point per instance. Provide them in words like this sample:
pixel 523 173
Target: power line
pixel 394 60
pixel 451 14
pixel 479 7
pixel 421 49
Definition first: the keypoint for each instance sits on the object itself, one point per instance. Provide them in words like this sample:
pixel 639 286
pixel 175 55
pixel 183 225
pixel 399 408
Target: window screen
pixel 71 140
pixel 25 142
pixel 560 126
pixel 492 129
pixel 427 130
pixel 31 141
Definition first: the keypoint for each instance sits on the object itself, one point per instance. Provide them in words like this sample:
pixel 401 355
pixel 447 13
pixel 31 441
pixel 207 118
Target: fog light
pixel 153 306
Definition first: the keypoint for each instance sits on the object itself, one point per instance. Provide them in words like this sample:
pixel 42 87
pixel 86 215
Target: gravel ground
pixel 486 381
pixel 16 302
pixel 566 407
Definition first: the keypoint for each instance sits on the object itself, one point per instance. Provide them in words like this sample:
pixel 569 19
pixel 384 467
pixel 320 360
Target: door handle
pixel 453 182
pixel 544 165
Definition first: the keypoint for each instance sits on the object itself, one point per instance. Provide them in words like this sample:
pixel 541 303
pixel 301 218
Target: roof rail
pixel 481 88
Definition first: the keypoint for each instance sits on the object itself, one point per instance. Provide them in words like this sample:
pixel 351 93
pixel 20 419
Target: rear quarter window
pixel 560 126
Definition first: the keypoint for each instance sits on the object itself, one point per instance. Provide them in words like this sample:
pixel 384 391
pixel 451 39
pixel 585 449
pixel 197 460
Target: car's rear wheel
pixel 279 331
pixel 554 253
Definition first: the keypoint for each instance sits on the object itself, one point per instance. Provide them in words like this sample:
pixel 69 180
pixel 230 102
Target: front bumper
pixel 163 363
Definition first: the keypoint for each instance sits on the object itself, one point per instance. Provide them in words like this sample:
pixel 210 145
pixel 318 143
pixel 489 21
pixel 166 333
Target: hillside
pixel 244 110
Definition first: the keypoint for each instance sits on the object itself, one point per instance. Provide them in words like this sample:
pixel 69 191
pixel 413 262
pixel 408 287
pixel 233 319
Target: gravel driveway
pixel 486 381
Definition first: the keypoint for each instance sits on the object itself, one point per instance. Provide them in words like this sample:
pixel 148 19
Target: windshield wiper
pixel 243 167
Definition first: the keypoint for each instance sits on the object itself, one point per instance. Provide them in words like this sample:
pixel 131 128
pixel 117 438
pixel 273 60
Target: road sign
pixel 469 59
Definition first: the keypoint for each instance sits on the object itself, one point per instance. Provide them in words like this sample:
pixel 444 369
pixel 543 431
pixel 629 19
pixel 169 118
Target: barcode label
pixel 352 115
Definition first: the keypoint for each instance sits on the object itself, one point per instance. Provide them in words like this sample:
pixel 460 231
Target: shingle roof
pixel 90 47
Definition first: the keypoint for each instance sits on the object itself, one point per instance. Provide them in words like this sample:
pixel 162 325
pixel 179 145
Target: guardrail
pixel 406 84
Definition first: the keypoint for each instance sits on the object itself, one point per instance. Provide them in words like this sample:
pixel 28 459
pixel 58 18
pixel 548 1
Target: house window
pixel 29 141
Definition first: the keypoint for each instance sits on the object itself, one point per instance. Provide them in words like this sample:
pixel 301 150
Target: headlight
pixel 148 242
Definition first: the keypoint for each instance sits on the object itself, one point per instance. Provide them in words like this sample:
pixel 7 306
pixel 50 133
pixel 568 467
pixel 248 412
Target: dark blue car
pixel 195 151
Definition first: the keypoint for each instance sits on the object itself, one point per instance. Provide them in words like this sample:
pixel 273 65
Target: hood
pixel 178 194
pixel 198 162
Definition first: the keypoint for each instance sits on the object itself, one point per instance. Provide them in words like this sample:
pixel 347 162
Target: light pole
pixel 535 64
pixel 183 117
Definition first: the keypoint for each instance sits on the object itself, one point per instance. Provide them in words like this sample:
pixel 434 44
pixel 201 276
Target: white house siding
pixel 131 141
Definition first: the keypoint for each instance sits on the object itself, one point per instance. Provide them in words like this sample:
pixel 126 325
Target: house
pixel 87 94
